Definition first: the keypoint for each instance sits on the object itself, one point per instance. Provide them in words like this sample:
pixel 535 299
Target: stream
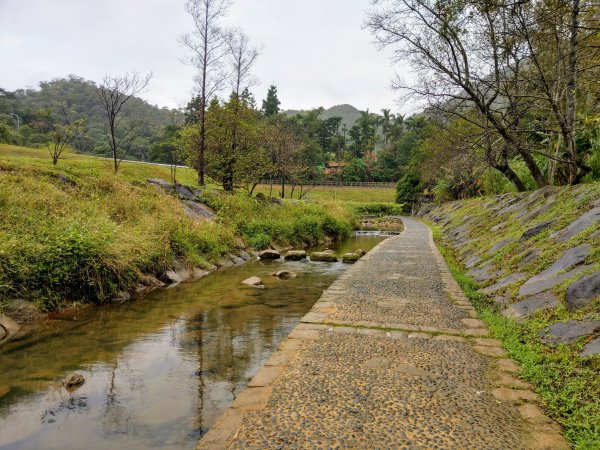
pixel 158 370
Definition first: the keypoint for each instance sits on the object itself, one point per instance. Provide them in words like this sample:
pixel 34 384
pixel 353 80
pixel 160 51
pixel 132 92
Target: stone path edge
pixel 508 387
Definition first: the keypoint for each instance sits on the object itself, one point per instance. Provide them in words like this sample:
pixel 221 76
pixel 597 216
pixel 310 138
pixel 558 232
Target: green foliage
pixel 376 209
pixel 408 190
pixel 356 170
pixel 270 105
pixel 296 223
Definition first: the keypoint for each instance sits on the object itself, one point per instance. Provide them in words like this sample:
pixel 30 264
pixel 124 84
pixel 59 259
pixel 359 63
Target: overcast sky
pixel 315 51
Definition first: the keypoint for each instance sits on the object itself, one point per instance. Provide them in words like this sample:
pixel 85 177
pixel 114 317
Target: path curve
pixel 391 356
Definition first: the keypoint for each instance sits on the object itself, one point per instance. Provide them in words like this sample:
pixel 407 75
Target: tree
pixel 114 93
pixel 208 43
pixel 241 59
pixel 466 57
pixel 61 132
pixel 270 105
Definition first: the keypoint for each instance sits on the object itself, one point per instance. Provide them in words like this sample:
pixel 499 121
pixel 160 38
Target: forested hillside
pixel 24 114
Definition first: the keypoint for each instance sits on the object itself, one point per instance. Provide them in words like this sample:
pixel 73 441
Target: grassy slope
pixel 569 385
pixel 87 240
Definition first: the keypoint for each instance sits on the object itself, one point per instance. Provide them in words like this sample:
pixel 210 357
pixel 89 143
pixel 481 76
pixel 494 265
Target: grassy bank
pixel 76 232
pixel 568 384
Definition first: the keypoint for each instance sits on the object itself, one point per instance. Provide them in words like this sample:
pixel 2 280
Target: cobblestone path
pixel 391 356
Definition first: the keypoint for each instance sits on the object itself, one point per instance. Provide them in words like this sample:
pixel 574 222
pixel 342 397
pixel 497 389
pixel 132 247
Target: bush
pixel 377 209
pixel 407 191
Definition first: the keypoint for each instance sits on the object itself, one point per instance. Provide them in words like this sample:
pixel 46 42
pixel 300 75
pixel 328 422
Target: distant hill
pixel 348 113
pixel 79 97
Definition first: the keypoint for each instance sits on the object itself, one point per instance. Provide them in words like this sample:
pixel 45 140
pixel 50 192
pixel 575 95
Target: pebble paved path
pixel 391 356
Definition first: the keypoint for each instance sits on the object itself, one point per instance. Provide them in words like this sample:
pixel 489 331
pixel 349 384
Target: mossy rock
pixel 323 257
pixel 350 258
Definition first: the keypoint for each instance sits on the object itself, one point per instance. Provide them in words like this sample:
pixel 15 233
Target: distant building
pixel 334 169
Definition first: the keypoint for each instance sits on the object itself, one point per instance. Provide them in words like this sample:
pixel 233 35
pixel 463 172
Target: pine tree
pixel 270 105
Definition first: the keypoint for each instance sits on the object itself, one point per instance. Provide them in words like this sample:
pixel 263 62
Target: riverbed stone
pixel 350 258
pixel 583 292
pixel 22 311
pixel 531 305
pixel 295 255
pixel 571 258
pixel 73 382
pixel 269 254
pixel 177 276
pixel 326 256
pixel 504 282
pixel 591 348
pixel 568 332
pixel 8 327
pixel 582 223
pixel 254 282
pixel 535 230
pixel 284 274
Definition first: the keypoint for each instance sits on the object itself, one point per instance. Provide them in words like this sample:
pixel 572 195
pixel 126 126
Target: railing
pixel 371 184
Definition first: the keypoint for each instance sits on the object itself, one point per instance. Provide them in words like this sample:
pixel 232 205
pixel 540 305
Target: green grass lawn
pixel 72 163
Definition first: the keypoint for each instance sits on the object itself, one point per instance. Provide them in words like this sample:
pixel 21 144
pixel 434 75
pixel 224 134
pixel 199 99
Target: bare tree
pixel 466 58
pixel 114 93
pixel 208 43
pixel 60 132
pixel 242 57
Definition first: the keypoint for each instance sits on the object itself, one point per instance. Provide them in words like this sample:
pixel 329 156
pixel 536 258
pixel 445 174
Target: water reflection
pixel 158 371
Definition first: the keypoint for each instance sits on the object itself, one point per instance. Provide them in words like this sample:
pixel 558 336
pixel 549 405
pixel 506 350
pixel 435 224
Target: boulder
pixel 483 273
pixel 65 179
pixel 537 229
pixel 73 382
pixel 500 245
pixel 570 258
pixel 531 305
pixel 350 258
pixel 269 254
pixel 582 292
pixel 178 276
pixel 161 183
pixel 255 282
pixel 548 283
pixel 327 256
pixel 295 255
pixel 504 282
pixel 591 348
pixel 284 274
pixel 577 226
pixel 472 261
pixel 121 297
pixel 8 327
pixel 185 192
pixel 198 211
pixel 527 257
pixel 568 332
pixel 22 311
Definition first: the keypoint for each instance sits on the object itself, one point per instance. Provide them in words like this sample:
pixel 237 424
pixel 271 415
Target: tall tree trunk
pixel 572 92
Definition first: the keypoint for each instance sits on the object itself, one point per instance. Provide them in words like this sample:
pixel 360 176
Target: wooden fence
pixel 329 183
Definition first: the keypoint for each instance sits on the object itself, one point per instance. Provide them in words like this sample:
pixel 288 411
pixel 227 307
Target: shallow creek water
pixel 158 370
